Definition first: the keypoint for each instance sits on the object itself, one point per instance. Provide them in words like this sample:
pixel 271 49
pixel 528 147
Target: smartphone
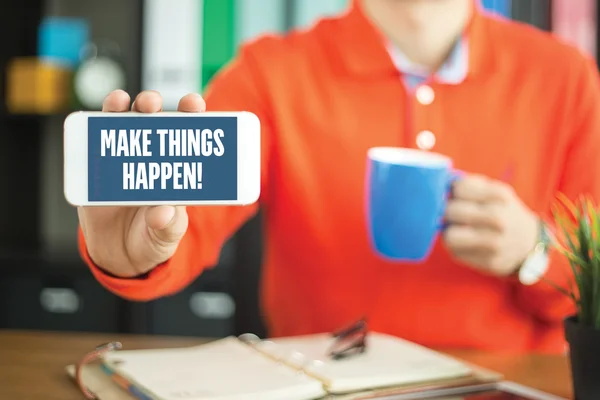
pixel 173 158
pixel 504 390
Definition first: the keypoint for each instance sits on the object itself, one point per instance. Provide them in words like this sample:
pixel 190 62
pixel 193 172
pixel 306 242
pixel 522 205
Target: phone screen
pixel 145 158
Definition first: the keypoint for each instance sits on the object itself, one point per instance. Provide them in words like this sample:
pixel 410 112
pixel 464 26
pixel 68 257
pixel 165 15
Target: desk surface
pixel 32 363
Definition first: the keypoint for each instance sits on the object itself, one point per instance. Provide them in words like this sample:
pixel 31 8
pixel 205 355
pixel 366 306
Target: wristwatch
pixel 537 262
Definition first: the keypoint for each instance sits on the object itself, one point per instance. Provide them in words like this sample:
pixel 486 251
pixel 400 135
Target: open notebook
pixel 294 368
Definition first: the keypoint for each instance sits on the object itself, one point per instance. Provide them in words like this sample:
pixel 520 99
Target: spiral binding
pixel 295 359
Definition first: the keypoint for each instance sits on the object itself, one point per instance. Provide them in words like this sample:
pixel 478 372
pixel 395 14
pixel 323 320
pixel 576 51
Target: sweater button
pixel 425 140
pixel 425 95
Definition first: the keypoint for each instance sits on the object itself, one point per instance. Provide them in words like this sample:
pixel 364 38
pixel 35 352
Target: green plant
pixel 578 239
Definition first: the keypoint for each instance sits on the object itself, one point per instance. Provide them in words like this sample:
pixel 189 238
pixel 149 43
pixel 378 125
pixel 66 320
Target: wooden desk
pixel 32 363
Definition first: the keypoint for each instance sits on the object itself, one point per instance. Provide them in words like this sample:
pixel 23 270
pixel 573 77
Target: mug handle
pixel 455 175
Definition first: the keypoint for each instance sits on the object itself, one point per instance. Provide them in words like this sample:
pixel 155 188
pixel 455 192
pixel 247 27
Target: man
pixel 515 109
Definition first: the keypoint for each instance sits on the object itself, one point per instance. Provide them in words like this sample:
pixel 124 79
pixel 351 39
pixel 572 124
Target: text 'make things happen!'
pixel 193 144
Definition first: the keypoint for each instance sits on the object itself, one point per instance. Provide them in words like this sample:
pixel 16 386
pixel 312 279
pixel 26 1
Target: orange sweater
pixel 528 113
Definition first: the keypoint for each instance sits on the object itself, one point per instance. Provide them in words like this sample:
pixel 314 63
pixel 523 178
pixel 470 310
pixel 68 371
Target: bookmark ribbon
pixel 90 357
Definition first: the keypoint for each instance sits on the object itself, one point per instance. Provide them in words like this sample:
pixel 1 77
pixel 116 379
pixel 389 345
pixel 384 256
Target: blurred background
pixel 57 56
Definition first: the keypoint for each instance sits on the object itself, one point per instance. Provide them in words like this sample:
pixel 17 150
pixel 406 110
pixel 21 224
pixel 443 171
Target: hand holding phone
pixel 128 237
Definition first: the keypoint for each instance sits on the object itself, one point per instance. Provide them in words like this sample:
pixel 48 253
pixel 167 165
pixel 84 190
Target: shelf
pixel 5 114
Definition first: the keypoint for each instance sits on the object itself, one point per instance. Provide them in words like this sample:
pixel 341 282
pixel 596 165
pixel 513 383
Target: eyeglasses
pixel 349 341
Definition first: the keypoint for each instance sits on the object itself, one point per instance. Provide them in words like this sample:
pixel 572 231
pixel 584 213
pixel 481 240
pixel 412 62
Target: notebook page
pixel 225 369
pixel 387 361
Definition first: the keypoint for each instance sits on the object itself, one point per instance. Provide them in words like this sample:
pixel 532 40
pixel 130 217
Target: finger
pixel 192 102
pixel 82 220
pixel 147 102
pixel 476 261
pixel 479 188
pixel 159 217
pixel 472 256
pixel 116 101
pixel 167 224
pixel 462 238
pixel 474 214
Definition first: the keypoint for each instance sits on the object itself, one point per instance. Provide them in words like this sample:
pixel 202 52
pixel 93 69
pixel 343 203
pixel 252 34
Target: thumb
pixel 166 224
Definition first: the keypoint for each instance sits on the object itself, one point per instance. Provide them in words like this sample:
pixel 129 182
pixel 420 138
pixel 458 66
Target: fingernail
pixel 173 210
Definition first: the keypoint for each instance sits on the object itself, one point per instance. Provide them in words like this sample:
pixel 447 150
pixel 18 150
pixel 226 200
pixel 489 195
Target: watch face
pixel 534 268
pixel 95 79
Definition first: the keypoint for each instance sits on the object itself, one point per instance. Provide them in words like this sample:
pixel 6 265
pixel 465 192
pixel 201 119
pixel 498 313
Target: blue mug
pixel 407 192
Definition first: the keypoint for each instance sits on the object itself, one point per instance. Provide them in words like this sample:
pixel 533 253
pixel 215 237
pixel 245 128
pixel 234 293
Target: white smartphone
pixel 174 158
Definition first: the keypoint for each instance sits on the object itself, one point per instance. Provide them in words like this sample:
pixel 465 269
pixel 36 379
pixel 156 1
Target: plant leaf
pixel 568 204
pixel 578 240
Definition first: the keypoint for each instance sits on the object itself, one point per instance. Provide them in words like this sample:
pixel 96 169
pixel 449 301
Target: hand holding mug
pixel 488 226
pixel 413 196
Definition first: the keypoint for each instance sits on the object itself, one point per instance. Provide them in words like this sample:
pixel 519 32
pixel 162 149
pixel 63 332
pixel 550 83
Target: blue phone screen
pixel 151 158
